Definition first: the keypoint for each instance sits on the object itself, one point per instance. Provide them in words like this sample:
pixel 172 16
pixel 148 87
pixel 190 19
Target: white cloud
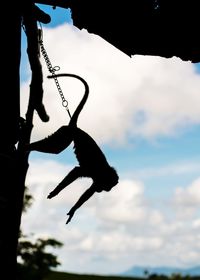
pixel 196 224
pixel 187 200
pixel 112 230
pixel 190 195
pixel 145 96
pixel 124 203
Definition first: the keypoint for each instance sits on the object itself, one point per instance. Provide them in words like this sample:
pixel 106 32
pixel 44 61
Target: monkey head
pixel 108 180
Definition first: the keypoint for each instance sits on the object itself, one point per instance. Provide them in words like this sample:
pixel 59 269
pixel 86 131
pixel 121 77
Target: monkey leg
pixel 71 176
pixel 84 197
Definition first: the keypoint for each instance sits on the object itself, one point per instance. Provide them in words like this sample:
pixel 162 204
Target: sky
pixel 144 113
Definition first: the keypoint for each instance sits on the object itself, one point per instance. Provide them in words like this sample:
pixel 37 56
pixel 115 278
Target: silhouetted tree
pixel 33 261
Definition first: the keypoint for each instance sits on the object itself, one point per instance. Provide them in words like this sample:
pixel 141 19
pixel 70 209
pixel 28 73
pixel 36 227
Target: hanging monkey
pixel 92 161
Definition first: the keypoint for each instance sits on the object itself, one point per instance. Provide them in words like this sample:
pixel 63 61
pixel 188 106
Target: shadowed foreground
pixel 69 276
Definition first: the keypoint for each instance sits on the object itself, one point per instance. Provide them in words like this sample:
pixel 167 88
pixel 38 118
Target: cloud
pixel 187 199
pixel 139 96
pixel 124 204
pixel 112 230
pixel 190 195
pixel 96 226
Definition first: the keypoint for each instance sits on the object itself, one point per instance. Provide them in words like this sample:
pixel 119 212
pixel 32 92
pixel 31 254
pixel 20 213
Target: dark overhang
pixel 164 28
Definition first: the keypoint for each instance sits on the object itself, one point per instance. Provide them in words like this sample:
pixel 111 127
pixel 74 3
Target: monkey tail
pixel 74 118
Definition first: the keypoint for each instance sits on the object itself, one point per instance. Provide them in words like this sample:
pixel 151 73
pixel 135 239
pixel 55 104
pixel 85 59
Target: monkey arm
pixel 54 143
pixel 74 174
pixel 84 197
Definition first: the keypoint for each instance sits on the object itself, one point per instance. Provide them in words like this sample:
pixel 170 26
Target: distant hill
pixel 128 275
pixel 139 271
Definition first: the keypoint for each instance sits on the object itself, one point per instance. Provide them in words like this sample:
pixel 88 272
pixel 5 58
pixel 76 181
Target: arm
pixel 54 143
pixel 84 197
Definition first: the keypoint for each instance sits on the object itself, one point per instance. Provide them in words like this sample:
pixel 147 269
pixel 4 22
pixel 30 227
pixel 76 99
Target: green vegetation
pixel 53 275
pixel 70 276
pixel 34 262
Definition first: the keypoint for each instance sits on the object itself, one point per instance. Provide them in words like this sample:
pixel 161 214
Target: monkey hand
pixel 71 214
pixel 52 194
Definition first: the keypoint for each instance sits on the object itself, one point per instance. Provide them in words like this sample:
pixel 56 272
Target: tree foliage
pixel 34 261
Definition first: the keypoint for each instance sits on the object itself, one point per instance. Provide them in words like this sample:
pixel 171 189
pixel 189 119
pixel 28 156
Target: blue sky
pixel 144 113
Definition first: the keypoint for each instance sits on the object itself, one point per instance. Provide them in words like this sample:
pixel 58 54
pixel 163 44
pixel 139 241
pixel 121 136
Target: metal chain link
pixel 52 70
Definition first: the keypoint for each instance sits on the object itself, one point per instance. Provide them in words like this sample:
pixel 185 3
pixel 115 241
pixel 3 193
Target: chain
pixel 52 70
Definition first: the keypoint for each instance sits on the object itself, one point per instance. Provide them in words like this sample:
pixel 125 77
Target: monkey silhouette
pixel 92 161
